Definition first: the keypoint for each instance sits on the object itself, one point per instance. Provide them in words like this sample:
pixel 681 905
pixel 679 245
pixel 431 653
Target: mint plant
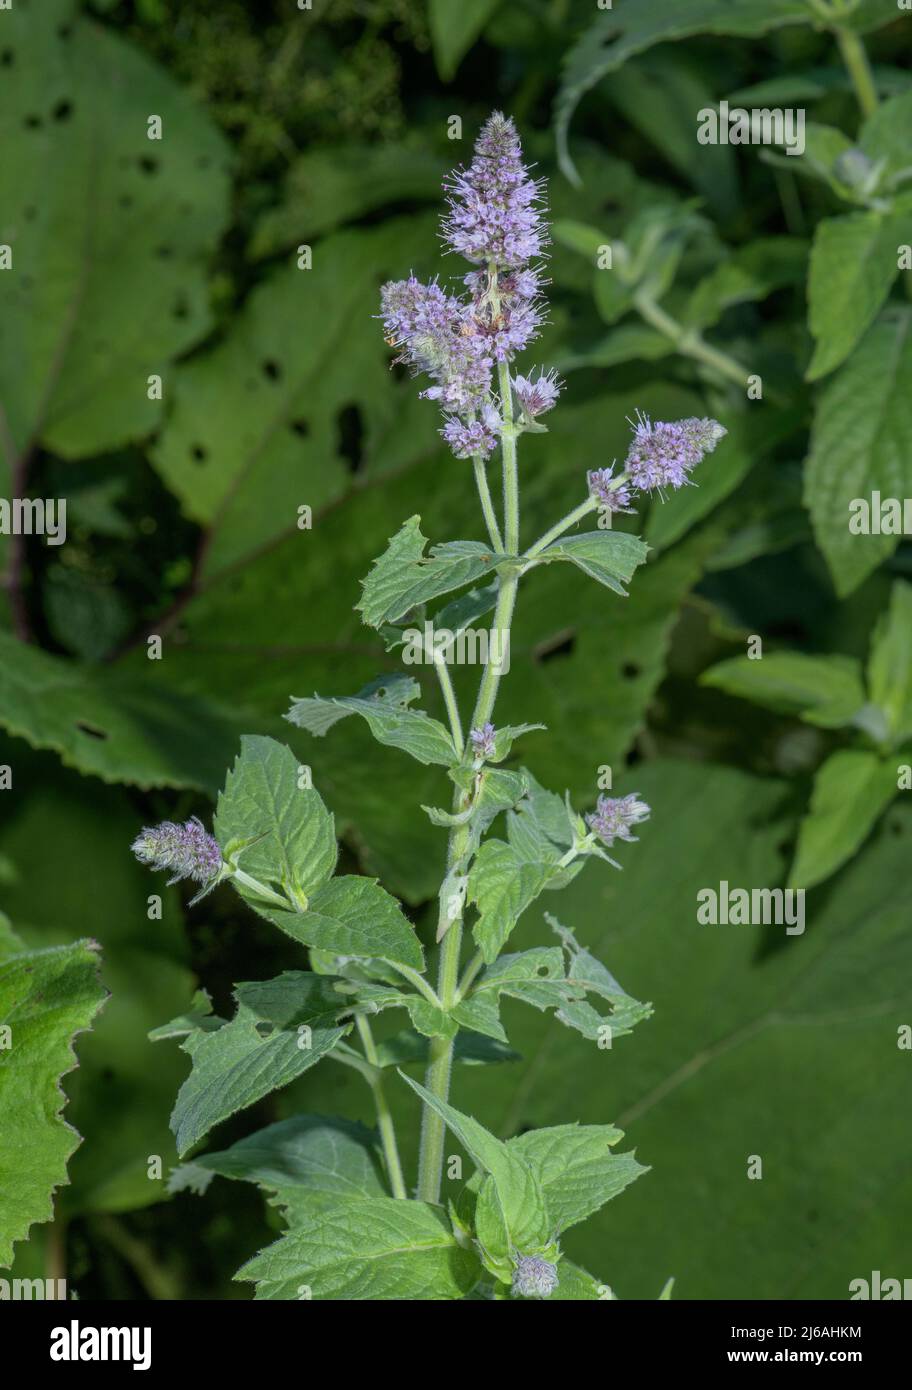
pixel 354 1229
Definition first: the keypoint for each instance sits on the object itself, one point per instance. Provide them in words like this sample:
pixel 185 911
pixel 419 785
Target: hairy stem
pixel 487 504
pixel 855 57
pixel 384 1118
pixel 449 699
pixel 565 523
pixel 422 985
pixel 437 1078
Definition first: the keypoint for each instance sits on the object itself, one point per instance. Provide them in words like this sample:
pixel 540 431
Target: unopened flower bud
pixel 534 1277
pixel 187 850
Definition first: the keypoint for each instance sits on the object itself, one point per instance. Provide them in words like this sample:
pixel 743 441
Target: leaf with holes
pixel 110 227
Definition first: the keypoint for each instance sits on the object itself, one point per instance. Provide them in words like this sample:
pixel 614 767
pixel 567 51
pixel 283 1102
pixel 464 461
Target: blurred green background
pixel 177 259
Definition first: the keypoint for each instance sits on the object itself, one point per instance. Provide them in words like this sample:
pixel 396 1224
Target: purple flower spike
pixel 662 455
pixel 613 817
pixel 188 850
pixel 613 495
pixel 483 741
pixel 534 1277
pixel 494 204
pixel 538 395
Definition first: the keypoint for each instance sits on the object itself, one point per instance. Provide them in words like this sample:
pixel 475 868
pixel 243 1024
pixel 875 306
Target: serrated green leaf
pixel 352 916
pixel 47 998
pixel 354 1249
pixel 291 836
pixel 576 1168
pixel 890 662
pixel 501 885
pixel 851 791
pixel 265 1046
pixel 883 136
pixel 862 443
pixel 384 705
pixel 854 261
pixel 518 1193
pixel 608 556
pixel 404 577
pixel 302 1155
pixel 824 690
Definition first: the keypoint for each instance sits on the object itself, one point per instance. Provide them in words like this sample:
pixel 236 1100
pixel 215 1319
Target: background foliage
pixel 178 258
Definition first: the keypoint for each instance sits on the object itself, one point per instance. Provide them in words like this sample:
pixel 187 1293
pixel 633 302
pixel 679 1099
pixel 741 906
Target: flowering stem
pixel 487 504
pixel 852 48
pixel 565 523
pixel 437 1079
pixel 384 1118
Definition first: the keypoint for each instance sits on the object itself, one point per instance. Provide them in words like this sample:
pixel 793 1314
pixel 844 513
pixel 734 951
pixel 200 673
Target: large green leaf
pixel 281 1028
pixel 501 886
pixel 608 556
pixel 364 1248
pixel 775 1046
pixel 629 28
pixel 824 690
pixel 353 916
pixel 454 28
pixel 851 791
pixel 47 997
pixel 385 706
pixel 123 1091
pixel 576 1169
pixel 122 727
pixel 890 663
pixel 854 262
pixel 308 1153
pixel 862 443
pixel 517 1191
pixel 404 576
pixel 110 231
pixel 288 831
pixel 294 400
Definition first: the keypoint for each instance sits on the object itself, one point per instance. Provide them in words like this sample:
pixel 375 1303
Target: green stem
pixel 261 890
pixel 384 1118
pixel 855 57
pixel 421 984
pixel 449 699
pixel 487 504
pixel 440 1064
pixel 449 932
pixel 559 527
pixel 689 343
pixel 468 976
